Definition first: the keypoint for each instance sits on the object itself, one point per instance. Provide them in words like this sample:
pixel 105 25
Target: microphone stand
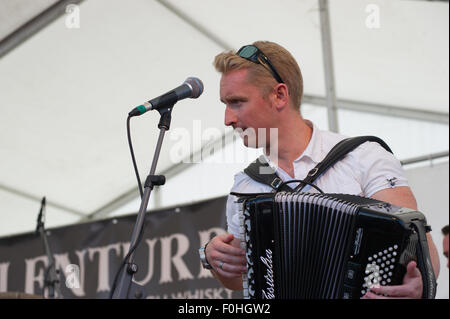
pixel 51 279
pixel 126 287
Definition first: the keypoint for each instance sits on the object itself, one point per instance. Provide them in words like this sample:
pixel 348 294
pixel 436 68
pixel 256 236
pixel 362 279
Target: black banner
pixel 88 255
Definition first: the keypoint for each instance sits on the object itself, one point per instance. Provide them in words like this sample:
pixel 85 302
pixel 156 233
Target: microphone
pixel 192 88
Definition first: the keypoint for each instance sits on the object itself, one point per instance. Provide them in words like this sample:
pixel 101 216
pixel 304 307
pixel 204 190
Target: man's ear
pixel 281 96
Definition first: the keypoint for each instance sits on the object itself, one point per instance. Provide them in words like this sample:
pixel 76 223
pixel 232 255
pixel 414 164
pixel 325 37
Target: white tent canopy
pixel 65 92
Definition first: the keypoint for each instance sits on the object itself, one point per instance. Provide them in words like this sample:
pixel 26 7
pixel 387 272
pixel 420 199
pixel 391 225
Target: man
pixel 262 87
pixel 445 241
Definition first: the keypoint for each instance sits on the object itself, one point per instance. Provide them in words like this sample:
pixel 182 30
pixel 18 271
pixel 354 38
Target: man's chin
pixel 248 136
pixel 250 143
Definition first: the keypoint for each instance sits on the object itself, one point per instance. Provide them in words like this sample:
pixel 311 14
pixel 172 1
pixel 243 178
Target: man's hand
pixel 228 260
pixel 411 288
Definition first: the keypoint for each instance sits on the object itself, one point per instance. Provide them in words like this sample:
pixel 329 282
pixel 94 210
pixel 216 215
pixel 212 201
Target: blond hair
pixel 258 74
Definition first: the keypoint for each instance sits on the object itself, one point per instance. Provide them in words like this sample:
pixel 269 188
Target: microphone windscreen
pixel 197 86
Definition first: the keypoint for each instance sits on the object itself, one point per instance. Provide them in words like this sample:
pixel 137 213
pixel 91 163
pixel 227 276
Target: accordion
pixel 329 246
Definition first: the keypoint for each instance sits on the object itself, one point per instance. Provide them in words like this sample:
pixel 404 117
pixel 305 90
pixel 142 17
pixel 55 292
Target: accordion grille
pixel 311 239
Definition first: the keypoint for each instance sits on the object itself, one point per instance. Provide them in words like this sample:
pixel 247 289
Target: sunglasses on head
pixel 255 55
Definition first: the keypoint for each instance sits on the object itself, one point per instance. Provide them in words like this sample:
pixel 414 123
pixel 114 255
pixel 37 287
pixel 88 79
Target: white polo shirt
pixel 364 171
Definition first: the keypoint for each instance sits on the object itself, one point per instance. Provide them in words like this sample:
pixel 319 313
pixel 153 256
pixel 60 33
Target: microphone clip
pixel 166 117
pixel 155 180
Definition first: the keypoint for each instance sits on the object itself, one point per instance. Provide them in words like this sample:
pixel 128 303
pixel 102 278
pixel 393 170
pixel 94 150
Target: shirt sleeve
pixel 379 169
pixel 242 184
pixel 233 216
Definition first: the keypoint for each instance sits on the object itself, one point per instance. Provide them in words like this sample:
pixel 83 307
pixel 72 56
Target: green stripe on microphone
pixel 141 109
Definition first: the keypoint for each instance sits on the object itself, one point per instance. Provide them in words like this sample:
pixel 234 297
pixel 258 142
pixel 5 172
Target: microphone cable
pixel 141 192
pixel 130 144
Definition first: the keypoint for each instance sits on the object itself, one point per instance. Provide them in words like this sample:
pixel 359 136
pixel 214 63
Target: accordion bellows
pixel 314 246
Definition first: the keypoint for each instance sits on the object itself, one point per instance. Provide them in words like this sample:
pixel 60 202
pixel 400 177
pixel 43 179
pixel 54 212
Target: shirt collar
pixel 314 149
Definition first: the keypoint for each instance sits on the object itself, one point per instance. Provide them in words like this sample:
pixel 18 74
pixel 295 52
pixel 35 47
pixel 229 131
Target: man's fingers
pixel 412 270
pixel 226 238
pixel 228 274
pixel 411 287
pixel 230 270
pixel 222 245
pixel 230 263
pixel 227 259
pixel 230 259
pixel 370 295
pixel 391 291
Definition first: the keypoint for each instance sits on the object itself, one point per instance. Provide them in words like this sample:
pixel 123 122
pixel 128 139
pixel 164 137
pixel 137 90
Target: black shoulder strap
pixel 337 153
pixel 261 172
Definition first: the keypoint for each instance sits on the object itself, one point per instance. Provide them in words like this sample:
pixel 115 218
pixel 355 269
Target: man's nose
pixel 230 116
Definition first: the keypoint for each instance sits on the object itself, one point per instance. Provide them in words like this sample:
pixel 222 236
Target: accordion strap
pixel 261 171
pixel 337 153
pixel 424 262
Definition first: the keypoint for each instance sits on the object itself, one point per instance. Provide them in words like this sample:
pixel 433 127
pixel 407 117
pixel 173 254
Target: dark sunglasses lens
pixel 247 51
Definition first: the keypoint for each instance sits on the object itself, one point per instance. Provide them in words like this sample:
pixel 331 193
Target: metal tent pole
pixel 328 66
